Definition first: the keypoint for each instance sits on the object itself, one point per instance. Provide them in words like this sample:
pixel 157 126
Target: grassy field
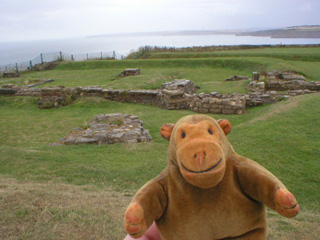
pixel 81 192
pixel 207 73
pixel 297 54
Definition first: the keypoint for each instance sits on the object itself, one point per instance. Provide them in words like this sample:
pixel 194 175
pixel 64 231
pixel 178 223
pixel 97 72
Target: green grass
pixel 310 54
pixel 207 73
pixel 286 142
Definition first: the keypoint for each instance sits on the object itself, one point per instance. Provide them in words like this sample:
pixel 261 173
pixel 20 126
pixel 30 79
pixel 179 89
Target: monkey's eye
pixel 183 135
pixel 210 131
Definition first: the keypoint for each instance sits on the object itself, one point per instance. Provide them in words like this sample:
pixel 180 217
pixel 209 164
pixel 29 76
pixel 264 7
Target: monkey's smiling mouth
pixel 204 171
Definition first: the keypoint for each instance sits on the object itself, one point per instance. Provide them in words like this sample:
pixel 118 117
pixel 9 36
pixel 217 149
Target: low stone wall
pixel 132 96
pixel 291 85
pixel 175 95
pixel 7 91
pixel 258 98
pixel 218 103
pixel 91 91
pixel 33 92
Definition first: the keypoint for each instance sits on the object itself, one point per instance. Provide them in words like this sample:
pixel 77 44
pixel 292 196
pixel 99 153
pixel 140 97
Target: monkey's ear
pixel 166 130
pixel 225 125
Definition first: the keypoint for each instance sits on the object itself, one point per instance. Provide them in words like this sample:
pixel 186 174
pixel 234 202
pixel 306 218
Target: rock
pixel 130 72
pixel 237 78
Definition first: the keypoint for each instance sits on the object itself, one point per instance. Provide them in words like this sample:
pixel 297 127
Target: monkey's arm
pixel 263 186
pixel 147 205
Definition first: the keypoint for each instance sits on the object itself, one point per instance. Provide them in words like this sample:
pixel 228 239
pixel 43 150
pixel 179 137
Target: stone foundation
pixel 108 129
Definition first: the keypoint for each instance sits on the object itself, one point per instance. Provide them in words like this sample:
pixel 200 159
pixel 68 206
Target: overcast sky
pixel 50 19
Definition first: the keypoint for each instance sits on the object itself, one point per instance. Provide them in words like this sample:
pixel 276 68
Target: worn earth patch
pixel 59 211
pixel 54 210
pixel 284 107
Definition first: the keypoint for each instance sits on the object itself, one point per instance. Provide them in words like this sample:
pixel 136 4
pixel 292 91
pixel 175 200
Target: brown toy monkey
pixel 207 191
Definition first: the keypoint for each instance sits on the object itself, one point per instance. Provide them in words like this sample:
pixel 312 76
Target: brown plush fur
pixel 207 191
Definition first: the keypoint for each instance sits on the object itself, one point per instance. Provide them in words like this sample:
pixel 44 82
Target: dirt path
pixel 60 211
pixel 284 107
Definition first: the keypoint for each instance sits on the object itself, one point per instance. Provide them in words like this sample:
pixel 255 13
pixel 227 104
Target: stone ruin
pixel 130 72
pixel 180 94
pixel 280 75
pixel 267 87
pixel 11 75
pixel 178 86
pixel 108 129
pixel 172 95
pixel 271 87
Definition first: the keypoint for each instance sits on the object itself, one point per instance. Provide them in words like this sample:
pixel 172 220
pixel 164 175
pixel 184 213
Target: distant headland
pixel 306 31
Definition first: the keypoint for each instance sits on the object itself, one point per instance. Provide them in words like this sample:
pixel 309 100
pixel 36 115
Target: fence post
pixel 60 56
pixel 17 69
pixel 101 55
pixel 87 56
pixel 41 57
pixel 72 58
pixel 31 67
pixel 114 54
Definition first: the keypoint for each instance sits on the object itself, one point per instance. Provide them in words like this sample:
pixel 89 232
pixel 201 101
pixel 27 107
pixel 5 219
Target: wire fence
pixel 58 56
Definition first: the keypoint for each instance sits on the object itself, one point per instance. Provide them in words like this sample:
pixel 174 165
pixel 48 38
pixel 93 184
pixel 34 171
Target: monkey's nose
pixel 200 157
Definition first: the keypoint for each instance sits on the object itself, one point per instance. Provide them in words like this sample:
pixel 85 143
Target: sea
pixel 24 51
